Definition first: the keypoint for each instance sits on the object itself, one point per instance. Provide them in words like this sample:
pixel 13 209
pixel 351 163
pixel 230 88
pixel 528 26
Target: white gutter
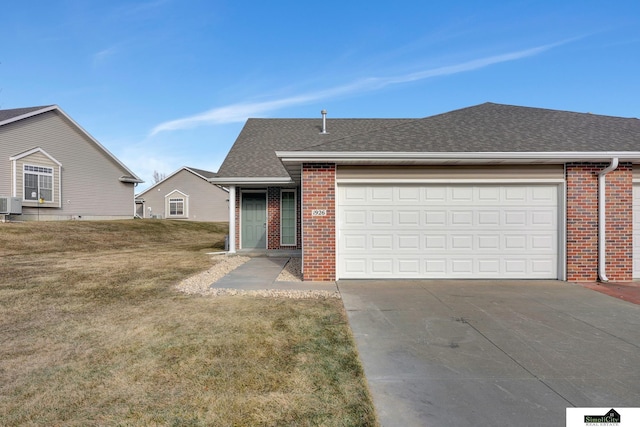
pixel 399 156
pixel 602 219
pixel 252 181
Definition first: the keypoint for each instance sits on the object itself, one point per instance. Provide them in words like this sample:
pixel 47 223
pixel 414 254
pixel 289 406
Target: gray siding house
pixel 186 194
pixel 58 170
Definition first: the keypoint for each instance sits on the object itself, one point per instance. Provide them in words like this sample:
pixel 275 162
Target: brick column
pixel 273 217
pixel 619 228
pixel 582 222
pixel 319 231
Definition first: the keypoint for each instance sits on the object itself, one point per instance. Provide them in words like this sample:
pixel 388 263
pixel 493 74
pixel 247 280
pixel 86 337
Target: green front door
pixel 254 221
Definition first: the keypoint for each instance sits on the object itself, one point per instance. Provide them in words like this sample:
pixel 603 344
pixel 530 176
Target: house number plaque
pixel 319 212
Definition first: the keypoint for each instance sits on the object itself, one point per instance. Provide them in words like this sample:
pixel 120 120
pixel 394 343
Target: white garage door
pixel 447 231
pixel 636 231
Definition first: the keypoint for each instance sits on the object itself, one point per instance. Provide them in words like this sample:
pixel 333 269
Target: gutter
pixel 473 157
pixel 602 219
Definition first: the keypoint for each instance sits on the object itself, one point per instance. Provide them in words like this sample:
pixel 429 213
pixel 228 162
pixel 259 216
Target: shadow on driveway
pixel 461 353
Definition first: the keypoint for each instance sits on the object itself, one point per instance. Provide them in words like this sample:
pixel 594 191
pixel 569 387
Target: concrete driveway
pixel 498 353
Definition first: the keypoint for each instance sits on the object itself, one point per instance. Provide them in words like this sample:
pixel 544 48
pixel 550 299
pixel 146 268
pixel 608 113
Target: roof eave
pixel 298 157
pixel 293 160
pixel 134 177
pixel 29 114
pixel 252 181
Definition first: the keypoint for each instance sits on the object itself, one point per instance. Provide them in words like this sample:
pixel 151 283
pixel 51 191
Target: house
pixel 58 170
pixel 186 194
pixel 490 191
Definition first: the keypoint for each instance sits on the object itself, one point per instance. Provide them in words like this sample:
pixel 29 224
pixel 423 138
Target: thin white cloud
pixel 240 112
pixel 103 55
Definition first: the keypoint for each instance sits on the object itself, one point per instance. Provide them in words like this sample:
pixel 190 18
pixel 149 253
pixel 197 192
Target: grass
pixel 93 333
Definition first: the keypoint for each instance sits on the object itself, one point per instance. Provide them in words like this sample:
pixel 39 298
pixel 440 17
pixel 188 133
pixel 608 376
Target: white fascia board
pixel 168 177
pixel 175 191
pixel 252 181
pixel 475 157
pixel 35 150
pixel 136 178
pixel 30 114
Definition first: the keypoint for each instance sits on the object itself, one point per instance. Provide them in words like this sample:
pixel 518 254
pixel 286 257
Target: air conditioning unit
pixel 10 205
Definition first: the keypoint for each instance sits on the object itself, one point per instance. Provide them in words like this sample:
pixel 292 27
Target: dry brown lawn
pixel 92 332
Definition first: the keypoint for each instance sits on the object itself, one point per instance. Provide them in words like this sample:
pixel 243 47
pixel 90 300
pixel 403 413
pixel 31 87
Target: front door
pixel 254 221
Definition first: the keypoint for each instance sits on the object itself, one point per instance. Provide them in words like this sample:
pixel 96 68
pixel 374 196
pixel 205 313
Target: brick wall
pixel 619 229
pixel 319 232
pixel 582 222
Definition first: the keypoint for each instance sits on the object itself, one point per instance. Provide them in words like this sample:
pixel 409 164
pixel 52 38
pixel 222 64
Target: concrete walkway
pixel 261 273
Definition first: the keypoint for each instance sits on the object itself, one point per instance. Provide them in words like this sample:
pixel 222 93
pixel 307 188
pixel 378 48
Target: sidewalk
pixel 261 273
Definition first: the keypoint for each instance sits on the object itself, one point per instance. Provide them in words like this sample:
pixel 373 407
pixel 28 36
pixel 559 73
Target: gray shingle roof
pixel 253 153
pixel 498 128
pixel 202 172
pixel 16 112
pixel 487 127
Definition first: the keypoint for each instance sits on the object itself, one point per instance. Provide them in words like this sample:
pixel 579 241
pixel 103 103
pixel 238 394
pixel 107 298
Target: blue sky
pixel 169 83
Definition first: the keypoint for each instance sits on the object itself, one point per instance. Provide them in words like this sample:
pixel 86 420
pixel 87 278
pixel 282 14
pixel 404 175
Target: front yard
pixel 93 332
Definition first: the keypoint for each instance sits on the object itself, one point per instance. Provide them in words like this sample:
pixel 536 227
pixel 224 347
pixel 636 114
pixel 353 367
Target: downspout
pixel 602 220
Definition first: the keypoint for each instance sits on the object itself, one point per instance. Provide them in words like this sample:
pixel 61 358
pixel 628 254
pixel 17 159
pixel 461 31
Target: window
pixel 176 207
pixel 288 217
pixel 38 183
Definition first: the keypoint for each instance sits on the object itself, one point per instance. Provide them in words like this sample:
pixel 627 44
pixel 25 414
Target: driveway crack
pixel 467 322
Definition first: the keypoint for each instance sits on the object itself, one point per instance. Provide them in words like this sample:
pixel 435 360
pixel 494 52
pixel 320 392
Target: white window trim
pixel 38 174
pixel 57 177
pixel 295 216
pixel 177 195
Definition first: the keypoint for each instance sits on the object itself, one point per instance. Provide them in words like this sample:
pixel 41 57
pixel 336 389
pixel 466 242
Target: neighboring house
pixel 58 170
pixel 489 191
pixel 186 194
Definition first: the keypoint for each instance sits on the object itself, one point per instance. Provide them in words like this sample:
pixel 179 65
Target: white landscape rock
pixel 200 284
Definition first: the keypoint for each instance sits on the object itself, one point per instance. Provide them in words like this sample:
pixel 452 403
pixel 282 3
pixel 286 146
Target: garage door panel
pixel 448 231
pixel 435 218
pixel 409 242
pixel 380 218
pixel 408 218
pixel 354 217
pixel 354 242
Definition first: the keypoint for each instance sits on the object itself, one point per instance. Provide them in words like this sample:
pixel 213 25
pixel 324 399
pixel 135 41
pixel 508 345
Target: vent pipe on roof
pixel 324 121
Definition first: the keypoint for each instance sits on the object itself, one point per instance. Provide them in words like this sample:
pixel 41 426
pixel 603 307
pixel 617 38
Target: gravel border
pixel 292 271
pixel 200 284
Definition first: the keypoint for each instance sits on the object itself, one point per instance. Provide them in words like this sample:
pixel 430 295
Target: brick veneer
pixel 319 232
pixel 582 222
